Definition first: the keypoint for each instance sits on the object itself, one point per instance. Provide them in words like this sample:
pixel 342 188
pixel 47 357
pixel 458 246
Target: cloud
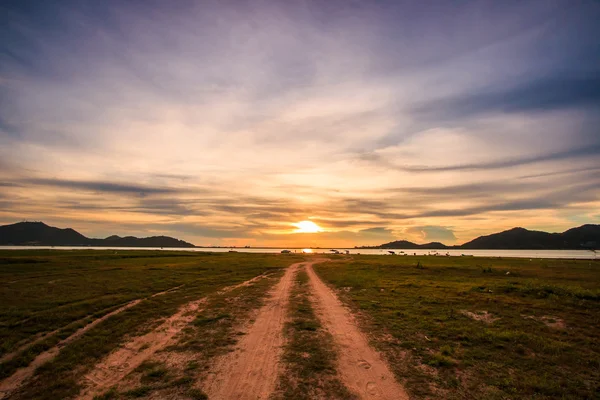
pixel 592 151
pixel 226 122
pixel 550 94
pixel 99 186
pixel 432 233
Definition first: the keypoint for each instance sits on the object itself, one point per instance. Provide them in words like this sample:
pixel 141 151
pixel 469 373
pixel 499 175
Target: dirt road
pixel 252 369
pixel 125 359
pixel 361 368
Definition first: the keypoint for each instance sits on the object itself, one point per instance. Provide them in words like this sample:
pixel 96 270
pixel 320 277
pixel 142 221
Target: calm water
pixel 578 254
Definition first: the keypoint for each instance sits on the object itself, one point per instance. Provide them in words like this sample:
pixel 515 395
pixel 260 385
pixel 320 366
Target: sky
pixel 227 122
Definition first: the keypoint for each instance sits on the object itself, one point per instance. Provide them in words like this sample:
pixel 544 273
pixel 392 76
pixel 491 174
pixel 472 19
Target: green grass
pixel 309 355
pixel 44 290
pixel 413 308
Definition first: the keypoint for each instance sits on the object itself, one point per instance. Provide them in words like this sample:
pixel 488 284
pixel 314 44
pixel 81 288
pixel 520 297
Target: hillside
pixel 40 234
pixel 405 244
pixel 583 237
pixel 586 236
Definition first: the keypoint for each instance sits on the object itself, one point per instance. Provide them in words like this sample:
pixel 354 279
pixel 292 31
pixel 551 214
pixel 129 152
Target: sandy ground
pixel 482 316
pixel 125 359
pixel 128 357
pixel 252 369
pixel 361 368
pixel 13 382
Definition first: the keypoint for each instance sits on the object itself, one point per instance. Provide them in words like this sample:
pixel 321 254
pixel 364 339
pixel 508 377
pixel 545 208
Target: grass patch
pixel 423 320
pixel 139 392
pixel 197 394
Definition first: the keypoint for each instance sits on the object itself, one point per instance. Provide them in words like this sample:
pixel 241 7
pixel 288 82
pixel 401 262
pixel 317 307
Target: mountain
pixel 132 241
pixel 40 234
pixel 33 233
pixel 583 237
pixel 405 244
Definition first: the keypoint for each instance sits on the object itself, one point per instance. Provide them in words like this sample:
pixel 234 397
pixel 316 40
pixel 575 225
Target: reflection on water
pixel 578 254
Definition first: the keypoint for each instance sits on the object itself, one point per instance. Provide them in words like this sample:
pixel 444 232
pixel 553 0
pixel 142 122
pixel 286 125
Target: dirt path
pixel 28 343
pixel 252 369
pixel 38 338
pixel 118 364
pixel 361 368
pixel 14 381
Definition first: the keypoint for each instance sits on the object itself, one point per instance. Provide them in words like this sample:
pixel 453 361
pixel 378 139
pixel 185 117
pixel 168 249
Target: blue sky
pixel 226 122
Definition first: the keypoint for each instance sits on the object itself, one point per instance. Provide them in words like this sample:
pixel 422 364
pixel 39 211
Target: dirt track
pixel 13 382
pixel 361 368
pixel 251 371
pixel 125 359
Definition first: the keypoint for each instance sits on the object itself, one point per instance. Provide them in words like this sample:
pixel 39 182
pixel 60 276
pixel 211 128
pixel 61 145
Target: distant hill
pixel 583 237
pixel 586 236
pixel 40 234
pixel 405 244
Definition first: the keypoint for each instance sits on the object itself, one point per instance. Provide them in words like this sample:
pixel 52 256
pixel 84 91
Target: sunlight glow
pixel 307 227
pixel 307 251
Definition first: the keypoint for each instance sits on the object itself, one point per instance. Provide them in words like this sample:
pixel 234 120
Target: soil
pixel 361 368
pixel 482 316
pixel 252 369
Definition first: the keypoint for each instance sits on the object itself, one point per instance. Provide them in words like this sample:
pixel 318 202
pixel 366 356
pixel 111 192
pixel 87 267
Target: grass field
pixel 454 327
pixel 449 327
pixel 58 292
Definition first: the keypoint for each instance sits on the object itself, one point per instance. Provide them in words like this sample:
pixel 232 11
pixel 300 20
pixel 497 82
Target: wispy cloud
pixel 99 186
pixel 540 96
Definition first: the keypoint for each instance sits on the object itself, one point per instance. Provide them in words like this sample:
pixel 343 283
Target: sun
pixel 307 227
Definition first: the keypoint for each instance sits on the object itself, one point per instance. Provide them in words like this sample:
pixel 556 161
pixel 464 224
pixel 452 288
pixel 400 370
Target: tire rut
pixel 362 369
pixel 13 382
pixel 118 364
pixel 252 369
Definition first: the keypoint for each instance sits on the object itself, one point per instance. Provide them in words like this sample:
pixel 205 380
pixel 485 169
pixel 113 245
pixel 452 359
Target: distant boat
pixel 285 251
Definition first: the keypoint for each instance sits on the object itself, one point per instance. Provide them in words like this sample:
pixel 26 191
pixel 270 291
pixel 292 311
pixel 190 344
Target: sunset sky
pixel 227 122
